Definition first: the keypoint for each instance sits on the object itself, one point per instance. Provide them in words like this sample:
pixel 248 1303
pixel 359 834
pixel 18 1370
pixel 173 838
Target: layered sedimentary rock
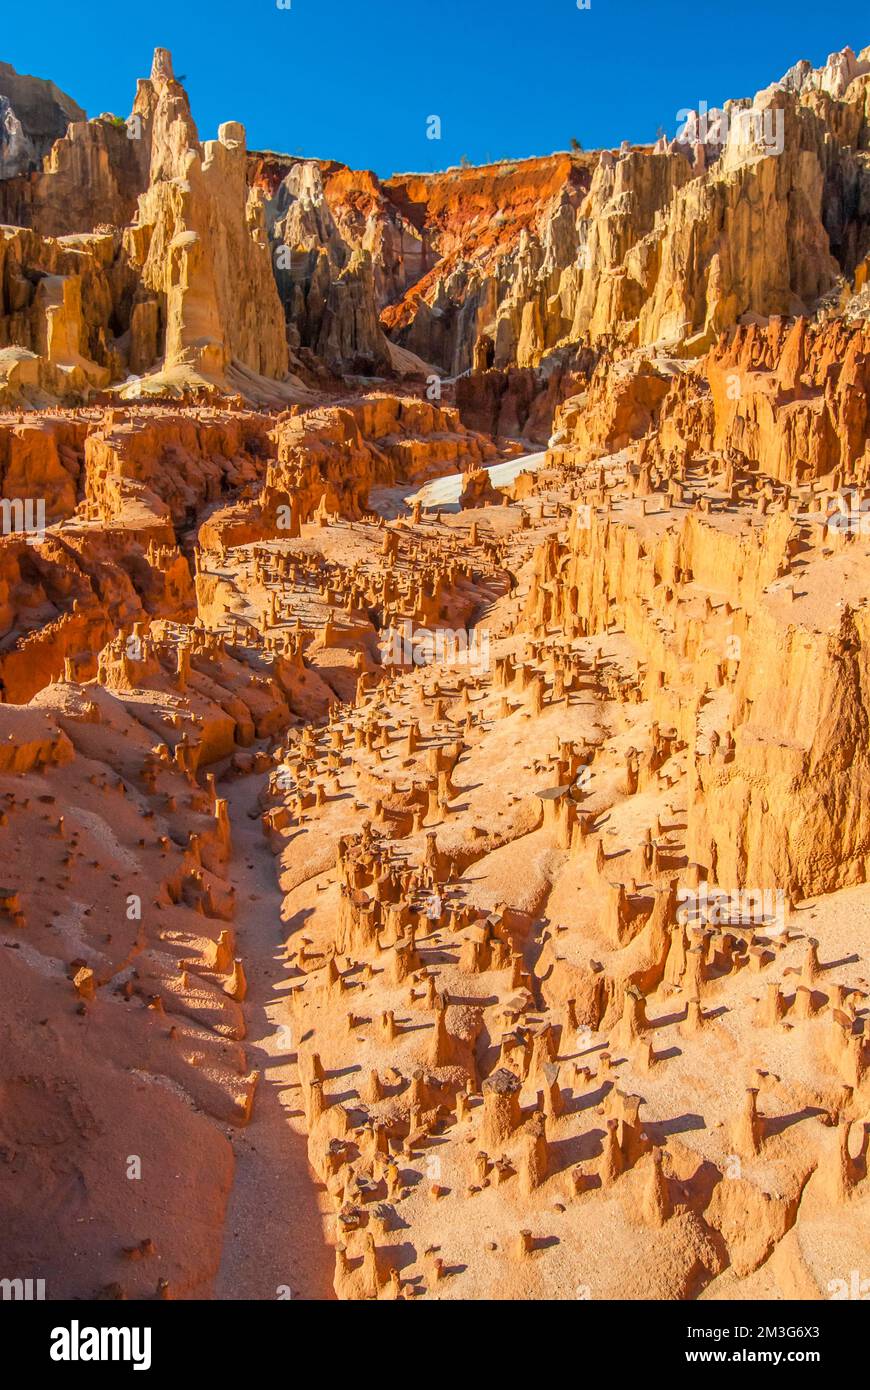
pixel 454 258
pixel 757 210
pixel 761 212
pixel 58 309
pixel 508 244
pixel 528 934
pixel 787 398
pixel 325 279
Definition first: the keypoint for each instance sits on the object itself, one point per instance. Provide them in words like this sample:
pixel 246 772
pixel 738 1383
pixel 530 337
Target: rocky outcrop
pixel 519 402
pixel 130 495
pixel 620 405
pixel 325 279
pixel 763 211
pixel 793 399
pixel 177 286
pixel 200 246
pixel 126 1002
pixel 61 303
pixel 435 243
pixel 501 291
pixel 757 210
pixel 145 477
pixel 91 176
pixel 788 398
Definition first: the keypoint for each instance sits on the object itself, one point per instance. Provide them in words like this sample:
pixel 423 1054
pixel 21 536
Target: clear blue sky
pixel 355 80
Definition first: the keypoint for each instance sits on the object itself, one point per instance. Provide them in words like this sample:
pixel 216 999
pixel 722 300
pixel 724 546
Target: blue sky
pixel 355 80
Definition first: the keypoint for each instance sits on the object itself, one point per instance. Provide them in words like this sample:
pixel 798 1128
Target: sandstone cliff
pixel 179 278
pixel 763 215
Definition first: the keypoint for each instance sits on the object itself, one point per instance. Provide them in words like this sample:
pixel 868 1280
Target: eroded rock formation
pixel 505 805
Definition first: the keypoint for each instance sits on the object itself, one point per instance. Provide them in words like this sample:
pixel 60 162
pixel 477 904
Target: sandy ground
pixel 274 1238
